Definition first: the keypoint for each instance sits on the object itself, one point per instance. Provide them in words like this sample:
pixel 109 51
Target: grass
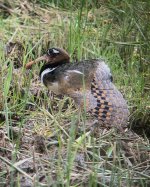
pixel 40 143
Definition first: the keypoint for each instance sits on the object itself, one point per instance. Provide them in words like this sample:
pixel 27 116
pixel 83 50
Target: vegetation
pixel 40 144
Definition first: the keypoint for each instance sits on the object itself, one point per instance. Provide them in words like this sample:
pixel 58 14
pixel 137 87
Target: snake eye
pixel 52 52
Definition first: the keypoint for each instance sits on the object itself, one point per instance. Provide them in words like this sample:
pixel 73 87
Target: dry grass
pixel 40 144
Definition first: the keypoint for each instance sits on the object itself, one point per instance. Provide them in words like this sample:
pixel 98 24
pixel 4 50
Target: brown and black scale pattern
pixel 108 110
